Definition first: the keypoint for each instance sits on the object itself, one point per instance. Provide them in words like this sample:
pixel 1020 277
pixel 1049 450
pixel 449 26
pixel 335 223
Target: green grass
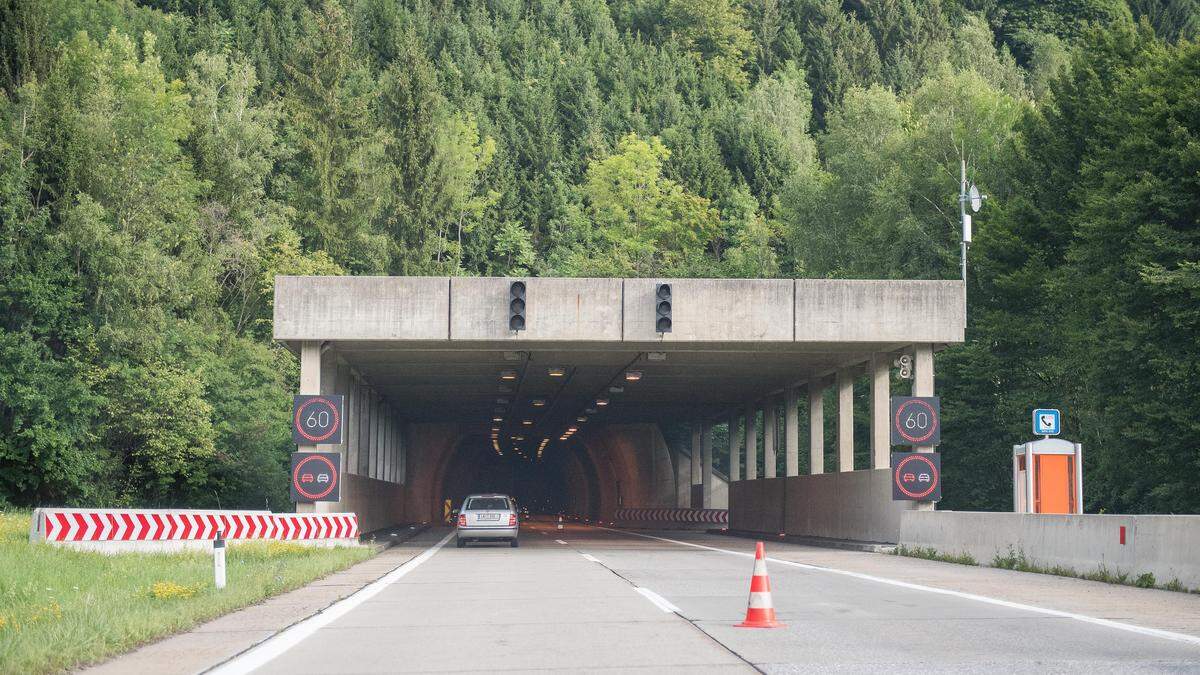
pixel 933 554
pixel 60 608
pixel 1016 560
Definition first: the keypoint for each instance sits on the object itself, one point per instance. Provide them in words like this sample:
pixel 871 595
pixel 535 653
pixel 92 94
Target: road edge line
pixel 266 651
pixel 658 600
pixel 1109 623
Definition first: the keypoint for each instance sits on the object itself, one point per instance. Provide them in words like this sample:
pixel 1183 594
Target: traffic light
pixel 662 308
pixel 516 306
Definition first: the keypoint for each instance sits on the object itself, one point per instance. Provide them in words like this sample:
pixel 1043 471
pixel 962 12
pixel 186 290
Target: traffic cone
pixel 560 521
pixel 760 610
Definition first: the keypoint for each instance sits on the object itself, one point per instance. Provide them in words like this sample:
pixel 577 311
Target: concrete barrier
pixel 164 530
pixel 853 505
pixel 1165 546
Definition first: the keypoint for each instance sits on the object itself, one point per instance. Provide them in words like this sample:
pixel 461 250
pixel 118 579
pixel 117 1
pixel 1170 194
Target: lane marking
pixel 658 600
pixel 1128 627
pixel 267 650
pixel 588 557
pixel 561 542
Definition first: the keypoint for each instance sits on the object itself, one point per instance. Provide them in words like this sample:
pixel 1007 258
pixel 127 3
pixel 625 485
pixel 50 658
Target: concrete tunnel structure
pixel 443 399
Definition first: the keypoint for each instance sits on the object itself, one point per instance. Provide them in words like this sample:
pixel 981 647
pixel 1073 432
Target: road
pixel 585 599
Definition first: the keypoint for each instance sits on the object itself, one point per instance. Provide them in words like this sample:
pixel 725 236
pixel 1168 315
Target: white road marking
pixel 658 600
pixel 561 542
pixel 588 557
pixel 262 653
pixel 1152 632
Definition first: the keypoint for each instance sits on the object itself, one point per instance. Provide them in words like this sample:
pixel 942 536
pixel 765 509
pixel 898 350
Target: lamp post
pixel 967 193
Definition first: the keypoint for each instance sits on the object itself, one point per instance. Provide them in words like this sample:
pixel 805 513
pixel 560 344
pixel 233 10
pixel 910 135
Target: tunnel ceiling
pixel 472 384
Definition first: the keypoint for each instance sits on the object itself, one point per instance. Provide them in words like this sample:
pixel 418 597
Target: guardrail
pixel 158 529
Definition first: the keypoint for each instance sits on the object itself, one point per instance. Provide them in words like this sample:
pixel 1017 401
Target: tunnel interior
pixel 541 423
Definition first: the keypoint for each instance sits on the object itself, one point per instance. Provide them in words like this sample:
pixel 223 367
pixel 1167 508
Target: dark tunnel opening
pixel 562 480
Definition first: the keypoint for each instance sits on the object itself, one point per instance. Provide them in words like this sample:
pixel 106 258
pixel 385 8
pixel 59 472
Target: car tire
pixel 460 542
pixel 514 543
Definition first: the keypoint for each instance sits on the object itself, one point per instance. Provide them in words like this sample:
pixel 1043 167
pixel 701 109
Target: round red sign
pixel 317 419
pixel 916 421
pixel 916 476
pixel 314 477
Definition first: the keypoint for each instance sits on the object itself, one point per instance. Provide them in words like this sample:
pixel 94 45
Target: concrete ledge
pixel 823 542
pixel 1165 546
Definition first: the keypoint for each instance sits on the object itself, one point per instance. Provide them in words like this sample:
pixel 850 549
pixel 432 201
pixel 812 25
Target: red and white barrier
pixel 153 526
pixel 666 516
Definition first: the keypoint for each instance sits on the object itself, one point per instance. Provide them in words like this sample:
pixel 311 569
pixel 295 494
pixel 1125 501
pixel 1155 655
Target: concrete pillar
pixel 696 477
pixel 923 386
pixel 816 428
pixel 881 409
pixel 735 458
pixel 769 413
pixel 791 433
pixel 845 420
pixel 706 470
pixel 751 442
pixel 310 383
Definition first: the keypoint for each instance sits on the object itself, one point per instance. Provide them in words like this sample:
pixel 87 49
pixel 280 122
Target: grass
pixel 61 608
pixel 933 554
pixel 1016 560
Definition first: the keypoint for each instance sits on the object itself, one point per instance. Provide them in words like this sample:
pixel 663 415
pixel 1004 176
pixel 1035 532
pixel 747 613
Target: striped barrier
pixel 686 516
pixel 83 526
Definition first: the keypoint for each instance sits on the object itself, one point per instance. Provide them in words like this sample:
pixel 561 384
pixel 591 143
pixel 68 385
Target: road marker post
pixel 560 521
pixel 219 559
pixel 760 609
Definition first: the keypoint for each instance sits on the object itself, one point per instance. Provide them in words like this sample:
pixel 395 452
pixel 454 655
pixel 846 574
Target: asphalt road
pixel 588 599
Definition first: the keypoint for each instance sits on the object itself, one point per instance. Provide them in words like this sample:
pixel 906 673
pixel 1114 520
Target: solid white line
pixel 1141 630
pixel 588 557
pixel 262 653
pixel 658 600
pixel 561 541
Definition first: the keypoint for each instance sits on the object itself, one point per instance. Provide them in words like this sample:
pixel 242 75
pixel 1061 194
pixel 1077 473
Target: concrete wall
pixel 853 505
pixel 378 503
pixel 619 310
pixel 1166 546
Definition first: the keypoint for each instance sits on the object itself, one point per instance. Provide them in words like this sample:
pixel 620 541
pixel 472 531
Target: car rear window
pixel 487 504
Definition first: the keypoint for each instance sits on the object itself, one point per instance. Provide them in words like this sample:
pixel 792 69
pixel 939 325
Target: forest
pixel 162 160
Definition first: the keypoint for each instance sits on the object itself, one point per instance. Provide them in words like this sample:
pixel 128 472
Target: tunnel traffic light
pixel 516 306
pixel 662 308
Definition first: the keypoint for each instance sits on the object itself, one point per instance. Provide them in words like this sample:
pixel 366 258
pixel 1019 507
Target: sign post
pixel 316 477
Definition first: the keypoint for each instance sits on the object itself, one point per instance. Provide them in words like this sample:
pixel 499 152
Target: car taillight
pixel 512 519
pixel 462 520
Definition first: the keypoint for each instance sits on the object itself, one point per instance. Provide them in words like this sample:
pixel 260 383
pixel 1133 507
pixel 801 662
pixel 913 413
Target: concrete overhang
pixel 435 346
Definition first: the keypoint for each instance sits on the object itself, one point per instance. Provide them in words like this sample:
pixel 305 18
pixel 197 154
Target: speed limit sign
pixel 317 419
pixel 916 420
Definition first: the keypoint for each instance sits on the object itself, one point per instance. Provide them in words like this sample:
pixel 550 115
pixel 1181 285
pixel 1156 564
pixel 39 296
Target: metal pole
pixel 962 213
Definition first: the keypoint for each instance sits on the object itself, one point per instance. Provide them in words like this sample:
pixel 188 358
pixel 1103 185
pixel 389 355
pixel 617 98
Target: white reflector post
pixel 219 560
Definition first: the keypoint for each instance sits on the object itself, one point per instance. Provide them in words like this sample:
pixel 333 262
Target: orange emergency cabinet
pixel 1048 476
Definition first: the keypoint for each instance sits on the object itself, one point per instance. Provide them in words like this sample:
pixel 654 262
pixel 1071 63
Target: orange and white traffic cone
pixel 760 610
pixel 560 521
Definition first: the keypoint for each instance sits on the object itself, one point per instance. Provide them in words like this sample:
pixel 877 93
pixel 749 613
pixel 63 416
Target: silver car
pixel 488 518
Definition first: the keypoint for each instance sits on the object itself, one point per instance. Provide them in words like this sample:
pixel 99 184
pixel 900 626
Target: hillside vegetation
pixel 162 160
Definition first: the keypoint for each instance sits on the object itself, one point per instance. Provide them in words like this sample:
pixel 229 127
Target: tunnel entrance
pixel 562 482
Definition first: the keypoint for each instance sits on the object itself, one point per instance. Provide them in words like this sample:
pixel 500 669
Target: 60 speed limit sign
pixel 317 419
pixel 916 420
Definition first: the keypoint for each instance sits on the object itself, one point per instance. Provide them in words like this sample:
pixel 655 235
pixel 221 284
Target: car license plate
pixel 489 516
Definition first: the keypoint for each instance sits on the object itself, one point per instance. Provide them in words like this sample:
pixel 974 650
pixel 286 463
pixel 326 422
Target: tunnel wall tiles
pixel 1162 545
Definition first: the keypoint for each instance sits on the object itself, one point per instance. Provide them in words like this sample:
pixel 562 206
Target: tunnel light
pixel 539 402
pixel 601 402
pixel 556 371
pixel 527 423
pixel 572 429
pixel 508 374
pixel 633 375
pixel 497 419
pixel 581 418
pixel 616 390
pixel 562 438
pixel 591 411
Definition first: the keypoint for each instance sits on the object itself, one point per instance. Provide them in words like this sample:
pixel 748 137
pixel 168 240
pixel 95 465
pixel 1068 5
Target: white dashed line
pixel 561 542
pixel 658 600
pixel 588 557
